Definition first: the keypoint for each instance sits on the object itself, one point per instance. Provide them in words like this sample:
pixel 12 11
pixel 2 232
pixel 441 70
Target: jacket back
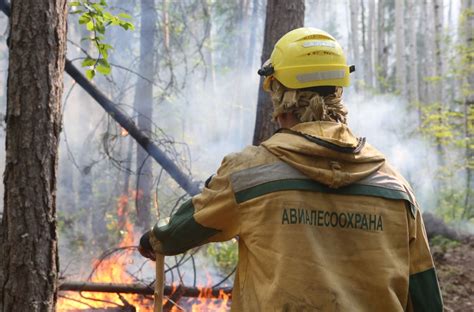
pixel 324 224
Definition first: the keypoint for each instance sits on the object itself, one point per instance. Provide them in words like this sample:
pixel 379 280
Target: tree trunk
pixel 369 47
pixel 382 49
pixel 35 86
pixel 144 107
pixel 467 35
pixel 281 17
pixel 210 72
pixel 253 34
pixel 400 64
pixel 355 40
pixel 439 37
pixel 413 60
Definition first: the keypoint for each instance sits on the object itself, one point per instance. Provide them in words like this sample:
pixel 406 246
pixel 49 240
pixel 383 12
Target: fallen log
pixel 183 180
pixel 204 292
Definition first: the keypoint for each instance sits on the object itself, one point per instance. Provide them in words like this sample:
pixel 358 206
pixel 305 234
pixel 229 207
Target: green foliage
pixel 97 19
pixel 225 255
pixel 442 243
pixel 451 205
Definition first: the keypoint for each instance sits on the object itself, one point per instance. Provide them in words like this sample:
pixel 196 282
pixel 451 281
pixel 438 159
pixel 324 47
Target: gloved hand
pixel 145 248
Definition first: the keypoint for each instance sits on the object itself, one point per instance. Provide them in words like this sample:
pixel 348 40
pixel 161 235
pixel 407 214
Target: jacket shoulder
pixel 249 157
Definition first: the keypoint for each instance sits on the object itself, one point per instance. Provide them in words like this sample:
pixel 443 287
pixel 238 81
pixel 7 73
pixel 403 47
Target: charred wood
pixel 144 289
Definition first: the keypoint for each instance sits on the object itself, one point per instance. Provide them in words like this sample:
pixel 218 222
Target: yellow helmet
pixel 307 57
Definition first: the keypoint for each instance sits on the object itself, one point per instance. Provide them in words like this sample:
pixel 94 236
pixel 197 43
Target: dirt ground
pixel 455 267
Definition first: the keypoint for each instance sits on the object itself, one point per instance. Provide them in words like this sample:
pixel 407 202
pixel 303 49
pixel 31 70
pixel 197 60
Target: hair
pixel 309 104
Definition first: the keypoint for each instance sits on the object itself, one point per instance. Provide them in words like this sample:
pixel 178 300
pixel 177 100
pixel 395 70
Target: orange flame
pixel 113 270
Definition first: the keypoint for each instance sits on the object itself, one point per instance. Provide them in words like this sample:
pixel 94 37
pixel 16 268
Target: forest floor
pixel 455 267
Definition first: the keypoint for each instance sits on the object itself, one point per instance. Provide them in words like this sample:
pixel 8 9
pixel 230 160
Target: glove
pixel 145 248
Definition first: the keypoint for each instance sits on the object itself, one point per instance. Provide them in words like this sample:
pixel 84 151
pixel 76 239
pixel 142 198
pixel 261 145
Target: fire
pixel 123 132
pixel 110 270
pixel 113 269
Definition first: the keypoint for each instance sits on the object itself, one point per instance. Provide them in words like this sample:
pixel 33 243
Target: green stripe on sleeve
pixel 182 232
pixel 424 292
pixel 310 185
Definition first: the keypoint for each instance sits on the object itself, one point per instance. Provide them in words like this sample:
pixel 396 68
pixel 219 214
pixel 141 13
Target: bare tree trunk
pixel 467 34
pixel 208 53
pixel 369 47
pixel 400 65
pixel 282 16
pixel 382 49
pixel 439 37
pixel 413 60
pixel 144 107
pixel 253 35
pixel 355 41
pixel 28 278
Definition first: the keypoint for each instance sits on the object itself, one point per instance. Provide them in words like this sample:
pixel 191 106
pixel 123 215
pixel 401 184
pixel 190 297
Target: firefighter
pixel 323 222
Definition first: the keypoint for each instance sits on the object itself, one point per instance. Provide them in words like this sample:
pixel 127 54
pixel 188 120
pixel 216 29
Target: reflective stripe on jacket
pixel 320 229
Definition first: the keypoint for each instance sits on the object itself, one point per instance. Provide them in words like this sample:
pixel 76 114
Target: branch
pixel 190 186
pixel 127 123
pixel 144 289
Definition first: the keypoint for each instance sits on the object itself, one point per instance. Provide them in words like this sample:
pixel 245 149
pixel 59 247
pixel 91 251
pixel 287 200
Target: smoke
pixel 390 125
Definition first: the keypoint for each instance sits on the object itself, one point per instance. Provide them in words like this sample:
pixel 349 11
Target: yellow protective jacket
pixel 323 224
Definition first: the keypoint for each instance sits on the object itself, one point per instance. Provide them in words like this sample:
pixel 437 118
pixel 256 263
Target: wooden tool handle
pixel 160 282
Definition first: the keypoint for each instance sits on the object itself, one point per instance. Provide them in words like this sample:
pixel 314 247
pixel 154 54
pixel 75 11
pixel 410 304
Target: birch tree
pixel 381 62
pixel 355 40
pixel 466 31
pixel 400 64
pixel 413 55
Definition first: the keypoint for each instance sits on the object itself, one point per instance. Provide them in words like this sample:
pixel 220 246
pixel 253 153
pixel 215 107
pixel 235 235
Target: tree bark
pixel 281 17
pixel 35 84
pixel 144 104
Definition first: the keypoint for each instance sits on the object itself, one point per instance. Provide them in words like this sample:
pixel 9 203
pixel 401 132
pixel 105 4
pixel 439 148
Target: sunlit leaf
pixel 90 26
pixel 88 62
pixel 124 15
pixel 90 73
pixel 103 69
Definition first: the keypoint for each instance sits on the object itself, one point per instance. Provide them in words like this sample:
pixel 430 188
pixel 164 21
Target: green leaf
pixel 104 62
pixel 108 16
pixel 127 25
pixel 90 73
pixel 88 62
pixel 74 3
pixel 100 28
pixel 124 15
pixel 103 69
pixel 90 26
pixel 85 18
pixel 76 12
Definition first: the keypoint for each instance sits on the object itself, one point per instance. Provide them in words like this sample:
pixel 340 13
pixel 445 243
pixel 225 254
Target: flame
pixel 123 132
pixel 113 270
